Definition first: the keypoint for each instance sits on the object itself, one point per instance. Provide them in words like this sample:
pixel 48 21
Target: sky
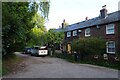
pixel 74 11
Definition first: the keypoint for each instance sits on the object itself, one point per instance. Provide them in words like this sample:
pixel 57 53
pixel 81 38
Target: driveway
pixel 47 67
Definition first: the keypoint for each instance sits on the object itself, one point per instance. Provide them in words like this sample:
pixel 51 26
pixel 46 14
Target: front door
pixel 69 48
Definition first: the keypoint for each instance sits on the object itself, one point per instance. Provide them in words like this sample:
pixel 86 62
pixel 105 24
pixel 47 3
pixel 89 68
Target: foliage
pixel 66 24
pixel 12 27
pixel 44 8
pixel 97 46
pixel 91 46
pixel 67 57
pixel 35 36
pixel 100 62
pixel 18 19
pixel 38 20
pixel 53 37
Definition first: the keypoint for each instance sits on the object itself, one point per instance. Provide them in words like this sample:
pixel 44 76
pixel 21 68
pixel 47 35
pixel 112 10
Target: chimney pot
pixel 86 18
pixel 104 7
pixel 64 21
pixel 63 24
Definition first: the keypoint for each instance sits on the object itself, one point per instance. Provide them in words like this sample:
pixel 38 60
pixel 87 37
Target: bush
pixel 89 46
pixel 96 46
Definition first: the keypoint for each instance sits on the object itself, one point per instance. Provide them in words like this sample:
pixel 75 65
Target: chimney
pixel 103 12
pixel 63 24
pixel 86 18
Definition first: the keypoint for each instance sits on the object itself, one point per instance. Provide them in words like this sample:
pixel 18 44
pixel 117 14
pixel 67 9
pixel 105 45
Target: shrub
pixel 89 46
pixel 96 46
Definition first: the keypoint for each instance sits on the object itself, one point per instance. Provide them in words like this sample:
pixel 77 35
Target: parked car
pixel 37 50
pixel 43 50
pixel 27 50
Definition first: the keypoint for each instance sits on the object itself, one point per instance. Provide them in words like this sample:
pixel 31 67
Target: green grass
pixel 103 63
pixel 9 62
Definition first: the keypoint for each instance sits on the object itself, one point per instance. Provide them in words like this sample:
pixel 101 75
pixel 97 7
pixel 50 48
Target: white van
pixel 36 50
pixel 43 50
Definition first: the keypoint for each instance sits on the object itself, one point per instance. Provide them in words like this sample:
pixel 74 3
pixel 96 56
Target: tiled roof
pixel 112 17
pixel 59 30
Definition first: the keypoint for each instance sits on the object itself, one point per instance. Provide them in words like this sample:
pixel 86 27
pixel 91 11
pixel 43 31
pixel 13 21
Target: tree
pixel 35 37
pixel 44 8
pixel 36 32
pixel 18 19
pixel 12 27
pixel 53 39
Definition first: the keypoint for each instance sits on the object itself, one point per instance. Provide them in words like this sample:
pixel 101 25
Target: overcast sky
pixel 74 11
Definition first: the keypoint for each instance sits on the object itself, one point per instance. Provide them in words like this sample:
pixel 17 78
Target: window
pixel 75 33
pixel 111 47
pixel 68 34
pixel 87 32
pixel 110 29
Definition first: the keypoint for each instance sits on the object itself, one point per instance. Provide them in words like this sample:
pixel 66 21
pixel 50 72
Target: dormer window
pixel 87 32
pixel 69 34
pixel 110 29
pixel 75 33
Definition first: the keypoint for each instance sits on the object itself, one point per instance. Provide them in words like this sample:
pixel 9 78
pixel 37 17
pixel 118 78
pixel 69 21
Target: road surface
pixel 48 67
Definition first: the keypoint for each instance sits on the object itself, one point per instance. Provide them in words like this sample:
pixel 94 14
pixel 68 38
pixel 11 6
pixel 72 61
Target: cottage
pixel 105 25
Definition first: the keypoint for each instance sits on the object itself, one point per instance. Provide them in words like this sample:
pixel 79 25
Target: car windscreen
pixel 36 47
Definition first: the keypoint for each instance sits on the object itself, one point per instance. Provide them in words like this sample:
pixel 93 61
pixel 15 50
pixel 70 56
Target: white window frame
pixel 69 34
pixel 87 33
pixel 109 27
pixel 107 47
pixel 75 33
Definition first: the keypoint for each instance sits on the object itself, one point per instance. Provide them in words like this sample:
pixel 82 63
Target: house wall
pixel 99 32
pixel 117 37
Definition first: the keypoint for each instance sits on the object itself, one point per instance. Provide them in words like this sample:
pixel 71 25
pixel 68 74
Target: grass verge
pixel 9 63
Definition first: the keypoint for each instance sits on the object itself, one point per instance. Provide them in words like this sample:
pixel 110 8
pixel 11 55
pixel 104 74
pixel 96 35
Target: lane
pixel 47 67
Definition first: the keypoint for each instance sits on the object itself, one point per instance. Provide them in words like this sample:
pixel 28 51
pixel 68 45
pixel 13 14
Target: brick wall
pixel 99 32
